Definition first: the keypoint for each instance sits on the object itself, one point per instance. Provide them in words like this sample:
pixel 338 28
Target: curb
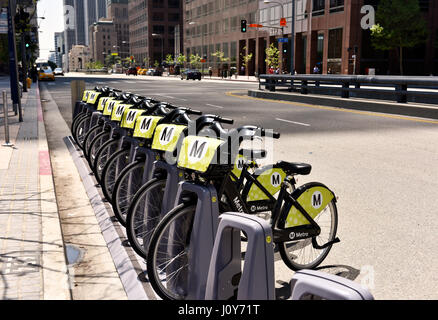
pixel 55 274
pixel 413 110
pixel 127 267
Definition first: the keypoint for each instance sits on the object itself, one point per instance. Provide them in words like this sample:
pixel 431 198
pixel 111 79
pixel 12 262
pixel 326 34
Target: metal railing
pixel 396 88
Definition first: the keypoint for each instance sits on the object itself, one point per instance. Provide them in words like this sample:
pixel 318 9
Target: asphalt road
pixel 382 167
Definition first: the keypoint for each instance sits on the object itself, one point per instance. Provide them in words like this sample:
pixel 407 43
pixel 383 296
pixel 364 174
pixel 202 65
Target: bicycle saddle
pixel 294 167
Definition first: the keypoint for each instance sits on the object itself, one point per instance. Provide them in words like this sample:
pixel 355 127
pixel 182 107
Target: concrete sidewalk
pixel 32 257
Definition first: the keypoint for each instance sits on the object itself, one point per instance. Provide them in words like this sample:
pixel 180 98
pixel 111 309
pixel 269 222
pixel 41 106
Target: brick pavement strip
pixel 32 258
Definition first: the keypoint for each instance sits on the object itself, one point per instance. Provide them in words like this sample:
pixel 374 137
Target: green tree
pixel 146 62
pixel 400 24
pixel 111 60
pixel 169 59
pixel 246 59
pixel 181 60
pixel 94 65
pixel 195 61
pixel 272 56
pixel 156 63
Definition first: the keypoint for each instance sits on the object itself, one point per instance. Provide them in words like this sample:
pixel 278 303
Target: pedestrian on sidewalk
pixel 210 71
pixel 34 74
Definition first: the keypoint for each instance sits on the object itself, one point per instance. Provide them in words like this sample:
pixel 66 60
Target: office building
pixel 330 34
pixel 59 48
pixel 118 13
pixel 103 40
pixel 152 29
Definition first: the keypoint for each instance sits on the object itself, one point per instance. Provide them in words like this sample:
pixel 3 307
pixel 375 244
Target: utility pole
pixel 292 36
pixel 13 70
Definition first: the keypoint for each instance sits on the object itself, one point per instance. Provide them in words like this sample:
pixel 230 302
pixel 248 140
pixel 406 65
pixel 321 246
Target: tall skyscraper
pixel 152 29
pixel 118 13
pixel 93 11
pixel 78 16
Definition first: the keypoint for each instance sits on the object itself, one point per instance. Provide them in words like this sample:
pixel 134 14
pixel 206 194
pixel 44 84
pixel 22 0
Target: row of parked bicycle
pixel 140 149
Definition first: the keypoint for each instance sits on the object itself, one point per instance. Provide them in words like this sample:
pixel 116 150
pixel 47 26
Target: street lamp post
pixel 282 28
pixel 292 54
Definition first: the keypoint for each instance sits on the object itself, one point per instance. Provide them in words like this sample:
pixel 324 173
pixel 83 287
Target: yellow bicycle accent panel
pixel 238 166
pixel 145 126
pixel 119 110
pixel 86 95
pixel 109 106
pixel 197 153
pixel 92 98
pixel 129 118
pixel 314 200
pixel 271 179
pixel 166 137
pixel 102 103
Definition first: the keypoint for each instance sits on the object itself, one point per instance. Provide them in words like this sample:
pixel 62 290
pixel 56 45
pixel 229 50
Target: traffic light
pixel 243 25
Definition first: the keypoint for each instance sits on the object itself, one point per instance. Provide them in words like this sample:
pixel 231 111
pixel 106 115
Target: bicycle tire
pixel 289 255
pixel 81 131
pixel 95 146
pixel 102 156
pixel 76 118
pixel 180 220
pixel 141 224
pixel 75 123
pixel 89 137
pixel 113 167
pixel 125 189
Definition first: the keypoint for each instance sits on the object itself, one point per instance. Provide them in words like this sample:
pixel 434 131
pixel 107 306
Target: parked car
pixel 158 72
pixel 46 73
pixel 132 70
pixel 142 72
pixel 191 74
pixel 58 72
pixel 150 72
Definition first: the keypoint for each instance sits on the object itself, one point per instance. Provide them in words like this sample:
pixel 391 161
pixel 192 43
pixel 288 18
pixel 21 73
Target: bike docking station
pixel 257 279
pixel 205 224
pixel 174 176
pixel 225 277
pixel 327 287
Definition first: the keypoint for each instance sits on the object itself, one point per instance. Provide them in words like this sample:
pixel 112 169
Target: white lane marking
pixel 214 106
pixel 289 121
pixel 170 97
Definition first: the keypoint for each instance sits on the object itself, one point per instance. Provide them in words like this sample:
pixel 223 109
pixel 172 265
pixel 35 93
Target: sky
pixel 53 12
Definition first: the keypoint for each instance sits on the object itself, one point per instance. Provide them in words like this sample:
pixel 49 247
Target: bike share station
pixel 215 266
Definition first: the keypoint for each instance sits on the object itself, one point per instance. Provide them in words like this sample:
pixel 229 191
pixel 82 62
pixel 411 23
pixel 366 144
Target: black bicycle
pixel 304 221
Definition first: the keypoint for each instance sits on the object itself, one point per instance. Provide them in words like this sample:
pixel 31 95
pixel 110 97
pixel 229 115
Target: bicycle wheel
pixel 301 254
pixel 95 145
pixel 113 168
pixel 75 122
pixel 89 138
pixel 103 154
pixel 144 214
pixel 168 253
pixel 127 185
pixel 81 131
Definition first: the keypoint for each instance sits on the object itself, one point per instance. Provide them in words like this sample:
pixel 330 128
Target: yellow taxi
pixel 142 72
pixel 46 73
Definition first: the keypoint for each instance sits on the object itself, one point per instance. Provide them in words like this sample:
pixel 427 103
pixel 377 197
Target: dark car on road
pixel 191 74
pixel 131 70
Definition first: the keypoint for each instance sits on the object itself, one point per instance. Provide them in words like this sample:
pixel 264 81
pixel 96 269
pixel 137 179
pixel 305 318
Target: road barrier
pixel 395 88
